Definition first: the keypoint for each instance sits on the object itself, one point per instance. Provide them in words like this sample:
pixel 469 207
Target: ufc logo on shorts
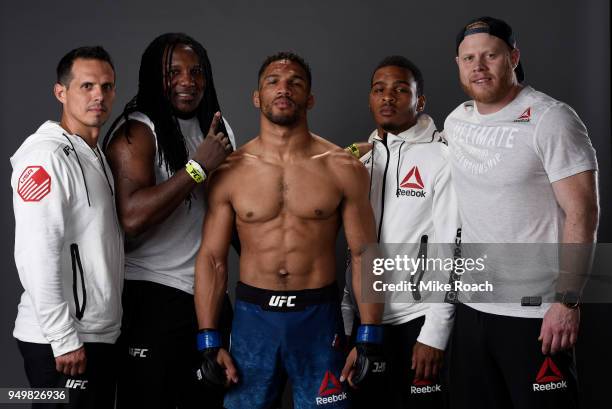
pixel 76 384
pixel 138 352
pixel 282 300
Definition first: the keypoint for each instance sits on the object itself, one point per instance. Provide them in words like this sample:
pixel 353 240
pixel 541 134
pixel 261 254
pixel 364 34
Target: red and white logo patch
pixel 413 180
pixel 34 184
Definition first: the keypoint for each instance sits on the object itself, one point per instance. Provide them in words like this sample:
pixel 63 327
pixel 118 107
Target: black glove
pixel 370 366
pixel 209 371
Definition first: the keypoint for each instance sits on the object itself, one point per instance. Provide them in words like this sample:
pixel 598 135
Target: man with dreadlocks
pixel 161 149
pixel 288 191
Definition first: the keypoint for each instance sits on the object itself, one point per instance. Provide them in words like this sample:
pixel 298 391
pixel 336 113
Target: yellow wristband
pixel 196 172
pixel 353 150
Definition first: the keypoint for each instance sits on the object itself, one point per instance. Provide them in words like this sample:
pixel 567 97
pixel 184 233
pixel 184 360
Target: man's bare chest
pixel 265 192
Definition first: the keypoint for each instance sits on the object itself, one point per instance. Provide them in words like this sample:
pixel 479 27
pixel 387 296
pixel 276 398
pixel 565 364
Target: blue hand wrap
pixel 371 334
pixel 208 338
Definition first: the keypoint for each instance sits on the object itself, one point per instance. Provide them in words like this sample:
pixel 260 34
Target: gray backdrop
pixel 565 49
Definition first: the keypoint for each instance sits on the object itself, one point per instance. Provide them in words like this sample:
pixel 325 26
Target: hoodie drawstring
pixel 371 169
pixel 397 169
pixel 81 167
pixel 384 185
pixel 99 156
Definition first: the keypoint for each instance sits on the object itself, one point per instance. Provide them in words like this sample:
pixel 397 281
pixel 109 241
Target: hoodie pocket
pixel 76 265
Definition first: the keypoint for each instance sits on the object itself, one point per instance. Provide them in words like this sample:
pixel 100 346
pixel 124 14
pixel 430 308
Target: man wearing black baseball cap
pixel 525 172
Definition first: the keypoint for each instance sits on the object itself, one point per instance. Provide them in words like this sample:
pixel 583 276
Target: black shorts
pixel 497 362
pixel 158 351
pixel 400 389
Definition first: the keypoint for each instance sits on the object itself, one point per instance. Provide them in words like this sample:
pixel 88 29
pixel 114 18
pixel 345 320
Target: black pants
pixel 158 350
pixel 93 389
pixel 400 390
pixel 497 363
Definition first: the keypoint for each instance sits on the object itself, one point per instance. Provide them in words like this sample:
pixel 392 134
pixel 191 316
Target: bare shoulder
pixel 226 175
pixel 348 172
pixel 132 138
pixel 337 158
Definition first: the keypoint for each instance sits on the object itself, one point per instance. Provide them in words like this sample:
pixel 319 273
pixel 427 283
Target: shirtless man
pixel 288 192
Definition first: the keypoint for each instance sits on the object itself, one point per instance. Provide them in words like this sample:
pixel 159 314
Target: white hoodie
pixel 412 197
pixel 68 242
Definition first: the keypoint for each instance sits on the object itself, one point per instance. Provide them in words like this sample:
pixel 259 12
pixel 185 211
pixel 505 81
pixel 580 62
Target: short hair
pixel 403 62
pixel 64 67
pixel 286 55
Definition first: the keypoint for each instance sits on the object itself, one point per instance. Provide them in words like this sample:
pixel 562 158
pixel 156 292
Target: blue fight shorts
pixel 287 334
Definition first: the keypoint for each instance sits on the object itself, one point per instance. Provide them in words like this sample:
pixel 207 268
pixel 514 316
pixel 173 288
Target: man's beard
pixel 398 128
pixel 492 95
pixel 285 119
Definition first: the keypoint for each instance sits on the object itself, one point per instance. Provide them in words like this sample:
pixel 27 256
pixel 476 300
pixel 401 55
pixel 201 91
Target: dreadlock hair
pixel 153 99
pixel 403 62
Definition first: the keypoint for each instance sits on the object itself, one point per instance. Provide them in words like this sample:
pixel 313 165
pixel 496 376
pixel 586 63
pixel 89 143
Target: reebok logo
pixel 138 352
pixel 330 390
pixel 413 182
pixel 413 179
pixel 525 116
pixel 34 184
pixel 76 384
pixel 424 386
pixel 549 377
pixel 329 385
pixel 282 300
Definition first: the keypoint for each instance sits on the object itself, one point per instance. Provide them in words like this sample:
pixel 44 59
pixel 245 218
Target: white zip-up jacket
pixel 68 242
pixel 413 201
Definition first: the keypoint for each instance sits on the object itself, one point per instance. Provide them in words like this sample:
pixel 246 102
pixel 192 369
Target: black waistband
pixel 286 300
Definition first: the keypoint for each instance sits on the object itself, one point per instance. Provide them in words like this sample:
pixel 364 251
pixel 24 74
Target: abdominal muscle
pixel 288 253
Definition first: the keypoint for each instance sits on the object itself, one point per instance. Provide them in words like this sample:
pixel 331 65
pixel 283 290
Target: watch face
pixel 571 298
